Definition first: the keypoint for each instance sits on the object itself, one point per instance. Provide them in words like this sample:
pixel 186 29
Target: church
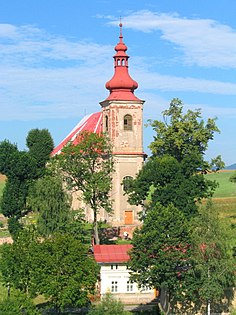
pixel 121 117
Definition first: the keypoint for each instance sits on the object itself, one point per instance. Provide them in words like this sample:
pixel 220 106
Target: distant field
pixel 224 199
pixel 226 188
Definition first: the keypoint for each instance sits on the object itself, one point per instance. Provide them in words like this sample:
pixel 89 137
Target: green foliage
pixel 40 144
pixel 233 178
pixel 13 202
pixel 21 169
pixel 213 265
pixel 109 306
pixel 18 304
pixel 17 259
pixel 48 197
pixel 87 167
pixel 182 135
pixel 7 150
pixel 166 180
pixel 173 173
pixel 14 227
pixel 60 268
pixel 161 250
pixel 64 272
pixel 170 186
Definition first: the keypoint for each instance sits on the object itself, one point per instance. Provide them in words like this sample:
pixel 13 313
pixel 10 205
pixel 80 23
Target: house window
pixel 130 286
pixel 114 286
pixel 145 288
pixel 127 122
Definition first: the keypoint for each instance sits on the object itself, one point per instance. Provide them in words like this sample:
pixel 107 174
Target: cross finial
pixel 120 25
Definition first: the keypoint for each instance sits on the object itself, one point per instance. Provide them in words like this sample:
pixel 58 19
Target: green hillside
pixel 225 196
pixel 226 188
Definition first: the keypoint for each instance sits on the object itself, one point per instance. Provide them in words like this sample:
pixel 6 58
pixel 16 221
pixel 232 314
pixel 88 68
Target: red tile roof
pixel 111 253
pixel 92 122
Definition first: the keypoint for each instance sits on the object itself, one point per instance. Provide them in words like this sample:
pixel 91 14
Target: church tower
pixel 123 122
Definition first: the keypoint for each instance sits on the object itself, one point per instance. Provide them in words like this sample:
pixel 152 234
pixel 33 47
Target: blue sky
pixel 56 56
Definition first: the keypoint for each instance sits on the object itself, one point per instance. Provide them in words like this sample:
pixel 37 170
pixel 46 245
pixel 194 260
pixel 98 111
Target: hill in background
pixel 231 167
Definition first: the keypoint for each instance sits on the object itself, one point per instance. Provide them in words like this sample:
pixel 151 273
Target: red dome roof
pixel 121 85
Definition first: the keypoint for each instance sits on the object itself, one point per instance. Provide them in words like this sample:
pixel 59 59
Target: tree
pixel 170 187
pixel 53 204
pixel 40 145
pixel 233 178
pixel 161 251
pixel 64 271
pixel 17 259
pixel 175 171
pixel 21 169
pixel 59 267
pixel 87 167
pixel 109 306
pixel 213 264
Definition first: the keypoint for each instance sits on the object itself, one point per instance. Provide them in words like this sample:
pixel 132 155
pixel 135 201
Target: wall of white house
pixel 115 279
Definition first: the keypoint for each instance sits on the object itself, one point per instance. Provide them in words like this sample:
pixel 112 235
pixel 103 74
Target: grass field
pixel 224 198
pixel 226 188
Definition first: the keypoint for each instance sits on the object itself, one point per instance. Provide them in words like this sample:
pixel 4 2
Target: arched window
pixel 127 122
pixel 106 123
pixel 126 182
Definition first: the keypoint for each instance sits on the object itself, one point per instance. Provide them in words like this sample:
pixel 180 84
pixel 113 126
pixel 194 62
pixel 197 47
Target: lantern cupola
pixel 121 86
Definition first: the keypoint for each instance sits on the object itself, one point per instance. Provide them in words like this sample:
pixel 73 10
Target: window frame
pixel 128 122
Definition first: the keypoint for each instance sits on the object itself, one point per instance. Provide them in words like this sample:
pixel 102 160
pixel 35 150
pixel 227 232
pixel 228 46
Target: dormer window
pixel 127 122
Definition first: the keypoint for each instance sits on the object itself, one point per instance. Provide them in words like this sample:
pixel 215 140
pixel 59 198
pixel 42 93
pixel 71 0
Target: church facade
pixel 121 118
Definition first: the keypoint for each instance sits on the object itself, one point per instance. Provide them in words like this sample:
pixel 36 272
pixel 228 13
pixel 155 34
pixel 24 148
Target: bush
pixel 18 304
pixel 109 306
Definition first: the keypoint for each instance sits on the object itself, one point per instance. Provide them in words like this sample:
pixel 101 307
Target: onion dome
pixel 121 86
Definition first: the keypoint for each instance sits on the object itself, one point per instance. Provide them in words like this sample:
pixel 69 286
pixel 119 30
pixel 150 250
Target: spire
pixel 121 86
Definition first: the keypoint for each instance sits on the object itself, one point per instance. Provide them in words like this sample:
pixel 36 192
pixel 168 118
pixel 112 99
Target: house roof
pixel 92 123
pixel 112 253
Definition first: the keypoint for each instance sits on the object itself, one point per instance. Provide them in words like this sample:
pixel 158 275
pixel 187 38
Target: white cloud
pixel 27 45
pixel 204 42
pixel 44 76
pixel 151 80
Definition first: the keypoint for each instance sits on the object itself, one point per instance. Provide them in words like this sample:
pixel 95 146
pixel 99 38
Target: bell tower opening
pixel 128 122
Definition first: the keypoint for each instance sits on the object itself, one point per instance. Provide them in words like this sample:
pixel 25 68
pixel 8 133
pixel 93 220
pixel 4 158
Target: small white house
pixel 115 277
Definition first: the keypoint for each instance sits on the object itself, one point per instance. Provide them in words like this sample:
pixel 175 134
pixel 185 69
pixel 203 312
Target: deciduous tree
pixel 87 168
pixel 213 264
pixel 64 271
pixel 17 260
pixel 175 171
pixel 161 251
pixel 52 203
pixel 21 169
